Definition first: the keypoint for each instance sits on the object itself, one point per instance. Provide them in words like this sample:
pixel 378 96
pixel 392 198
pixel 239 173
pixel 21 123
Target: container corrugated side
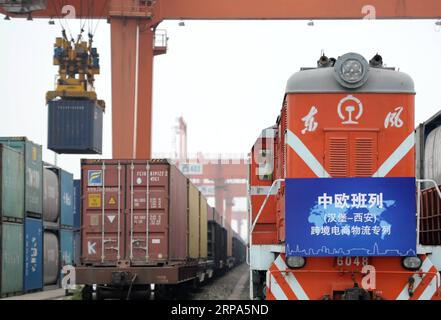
pixel 33 261
pixel 77 204
pixel 11 183
pixel 77 248
pixel 203 221
pixel 179 249
pixel 432 156
pixel 11 268
pixel 75 127
pixel 193 221
pixel 67 247
pixel 33 172
pixel 66 199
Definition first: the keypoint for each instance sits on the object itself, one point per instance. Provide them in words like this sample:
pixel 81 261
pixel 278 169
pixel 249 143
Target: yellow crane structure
pixel 78 63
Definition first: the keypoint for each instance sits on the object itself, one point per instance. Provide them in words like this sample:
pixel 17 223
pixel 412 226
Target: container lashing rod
pixel 103 214
pixel 119 210
pixel 147 199
pixel 132 169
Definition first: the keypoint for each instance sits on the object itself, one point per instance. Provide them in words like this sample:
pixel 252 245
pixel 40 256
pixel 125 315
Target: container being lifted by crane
pixel 75 120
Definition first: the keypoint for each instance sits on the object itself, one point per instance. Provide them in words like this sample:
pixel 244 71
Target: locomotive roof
pixel 381 80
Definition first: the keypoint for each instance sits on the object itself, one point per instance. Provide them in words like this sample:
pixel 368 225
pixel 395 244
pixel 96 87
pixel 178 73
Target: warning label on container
pixel 94 201
pixel 112 201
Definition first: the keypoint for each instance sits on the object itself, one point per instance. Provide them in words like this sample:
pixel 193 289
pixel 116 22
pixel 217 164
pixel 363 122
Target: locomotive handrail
pixel 276 182
pixel 419 182
pixel 433 182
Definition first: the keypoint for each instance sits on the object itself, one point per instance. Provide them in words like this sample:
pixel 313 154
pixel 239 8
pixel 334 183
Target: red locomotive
pixel 351 122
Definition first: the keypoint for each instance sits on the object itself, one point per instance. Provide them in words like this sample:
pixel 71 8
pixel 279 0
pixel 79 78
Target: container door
pixel 147 212
pixel 103 213
pixel 66 201
pixel 33 172
pixel 12 183
pixel 34 178
pixel 11 252
pixel 33 270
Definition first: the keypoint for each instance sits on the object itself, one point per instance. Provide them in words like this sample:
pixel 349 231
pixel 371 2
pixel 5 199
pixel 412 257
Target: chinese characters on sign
pixel 345 201
pixel 358 200
pixel 350 217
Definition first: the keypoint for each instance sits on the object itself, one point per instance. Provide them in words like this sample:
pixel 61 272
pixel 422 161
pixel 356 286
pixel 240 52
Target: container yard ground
pixel 57 294
pixel 232 286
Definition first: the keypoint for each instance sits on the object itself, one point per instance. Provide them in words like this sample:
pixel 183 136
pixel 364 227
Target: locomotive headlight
pixel 351 70
pixel 412 263
pixel 295 262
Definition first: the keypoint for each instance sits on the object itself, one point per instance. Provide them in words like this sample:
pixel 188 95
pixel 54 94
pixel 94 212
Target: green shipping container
pixel 33 173
pixel 11 258
pixel 11 183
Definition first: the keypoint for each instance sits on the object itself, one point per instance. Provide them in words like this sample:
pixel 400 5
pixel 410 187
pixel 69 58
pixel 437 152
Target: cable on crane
pixel 99 20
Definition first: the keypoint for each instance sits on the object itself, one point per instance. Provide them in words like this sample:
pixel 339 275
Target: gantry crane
pixel 133 24
pixel 223 179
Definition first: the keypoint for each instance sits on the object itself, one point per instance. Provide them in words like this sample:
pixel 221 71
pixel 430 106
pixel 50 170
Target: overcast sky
pixel 226 78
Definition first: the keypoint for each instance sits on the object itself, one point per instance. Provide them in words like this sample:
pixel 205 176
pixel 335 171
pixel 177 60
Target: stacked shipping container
pixel 58 213
pixel 29 218
pixel 21 206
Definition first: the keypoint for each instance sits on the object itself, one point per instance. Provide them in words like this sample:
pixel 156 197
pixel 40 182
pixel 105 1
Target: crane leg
pixel 132 82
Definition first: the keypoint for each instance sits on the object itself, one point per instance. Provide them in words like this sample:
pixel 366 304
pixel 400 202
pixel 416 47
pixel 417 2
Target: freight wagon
pixel 333 189
pixel 143 223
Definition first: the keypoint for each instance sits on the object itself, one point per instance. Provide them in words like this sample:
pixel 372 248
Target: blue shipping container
pixel 33 262
pixel 77 204
pixel 75 127
pixel 67 198
pixel 77 248
pixel 67 247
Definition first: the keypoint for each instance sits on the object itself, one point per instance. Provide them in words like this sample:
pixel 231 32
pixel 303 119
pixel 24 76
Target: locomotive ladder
pixel 419 182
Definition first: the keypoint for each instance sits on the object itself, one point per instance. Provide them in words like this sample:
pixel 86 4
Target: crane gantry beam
pixel 251 9
pixel 133 24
